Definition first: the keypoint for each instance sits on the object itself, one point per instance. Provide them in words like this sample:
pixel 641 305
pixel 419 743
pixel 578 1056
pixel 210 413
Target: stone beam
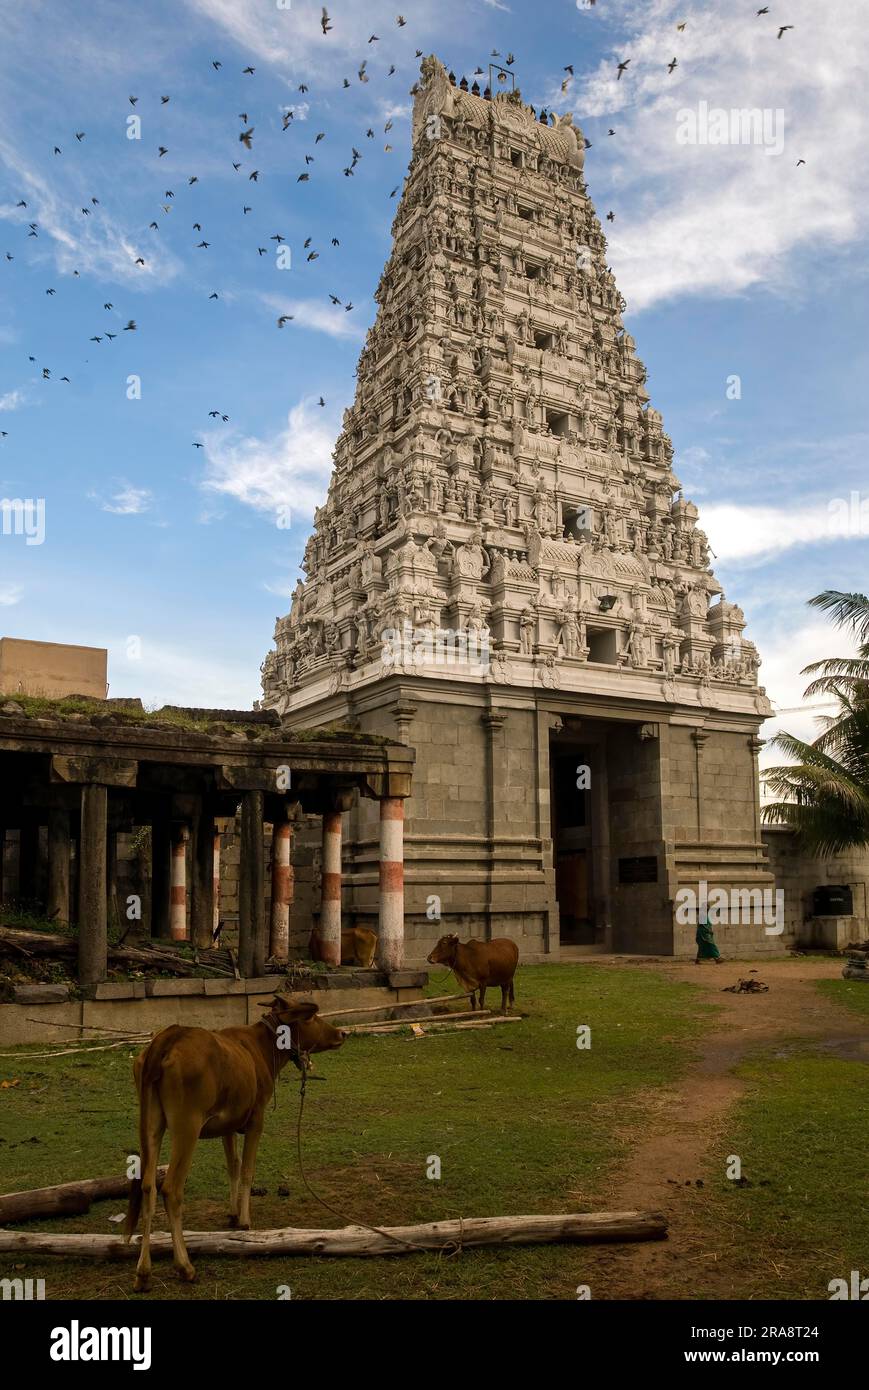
pixel 105 772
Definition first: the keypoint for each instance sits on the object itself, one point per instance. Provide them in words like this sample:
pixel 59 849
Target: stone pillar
pixel 92 934
pixel 495 760
pixel 160 875
pixel 215 892
pixel 57 907
pixel 700 737
pixel 251 888
pixel 112 877
pixel 282 889
pixel 330 893
pixel 178 884
pixel 28 859
pixel 202 887
pixel 391 933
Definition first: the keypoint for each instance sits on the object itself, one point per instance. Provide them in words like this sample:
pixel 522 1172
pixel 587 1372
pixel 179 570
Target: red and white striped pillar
pixel 178 884
pixel 330 896
pixel 216 893
pixel 282 890
pixel 391 935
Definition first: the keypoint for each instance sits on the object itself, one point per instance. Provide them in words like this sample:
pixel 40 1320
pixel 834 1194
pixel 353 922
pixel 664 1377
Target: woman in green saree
pixel 706 948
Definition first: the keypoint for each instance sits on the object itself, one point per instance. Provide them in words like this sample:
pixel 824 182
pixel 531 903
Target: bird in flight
pixel 249 71
pixel 672 64
pixel 321 401
pixel 783 29
pixel 610 217
pixel 130 327
pixel 622 67
pixel 285 318
pixel 325 21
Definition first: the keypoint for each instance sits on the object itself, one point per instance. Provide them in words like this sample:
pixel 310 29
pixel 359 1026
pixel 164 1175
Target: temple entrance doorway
pixel 571 810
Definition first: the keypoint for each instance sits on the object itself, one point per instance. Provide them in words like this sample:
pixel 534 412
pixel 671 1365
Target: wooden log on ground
pixel 437 1025
pixel 64 1199
pixel 574 1228
pixel 405 1004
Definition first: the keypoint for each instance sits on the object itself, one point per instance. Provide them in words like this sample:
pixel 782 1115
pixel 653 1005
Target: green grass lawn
pixel 802 1220
pixel 521 1119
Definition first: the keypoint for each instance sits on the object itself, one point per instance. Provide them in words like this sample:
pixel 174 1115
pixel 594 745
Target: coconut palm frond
pixel 853 667
pixel 846 610
pixel 815 785
pixel 821 829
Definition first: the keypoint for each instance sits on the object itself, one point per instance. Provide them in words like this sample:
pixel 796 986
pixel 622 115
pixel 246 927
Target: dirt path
pixel 686 1128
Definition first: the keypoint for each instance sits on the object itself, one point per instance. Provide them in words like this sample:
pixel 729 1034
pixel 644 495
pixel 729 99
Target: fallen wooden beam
pixel 64 1199
pixel 405 1004
pixel 583 1228
pixel 435 1024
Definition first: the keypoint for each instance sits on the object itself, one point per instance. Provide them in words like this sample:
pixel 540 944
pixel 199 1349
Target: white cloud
pixel 10 594
pixel 328 318
pixel 181 675
pixel 13 399
pixel 721 220
pixel 97 245
pixel 291 470
pixel 740 532
pixel 291 39
pixel 127 501
pixel 784 657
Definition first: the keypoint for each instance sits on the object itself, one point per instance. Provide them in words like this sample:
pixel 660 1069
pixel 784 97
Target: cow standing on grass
pixel 478 964
pixel 201 1083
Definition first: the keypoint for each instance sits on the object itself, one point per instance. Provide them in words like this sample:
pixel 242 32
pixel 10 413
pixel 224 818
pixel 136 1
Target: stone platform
pixel 146 1006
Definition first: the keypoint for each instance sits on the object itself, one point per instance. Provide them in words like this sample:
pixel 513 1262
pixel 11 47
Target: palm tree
pixel 823 793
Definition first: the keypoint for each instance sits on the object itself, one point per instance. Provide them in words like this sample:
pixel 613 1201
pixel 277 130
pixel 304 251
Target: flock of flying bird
pixel 246 138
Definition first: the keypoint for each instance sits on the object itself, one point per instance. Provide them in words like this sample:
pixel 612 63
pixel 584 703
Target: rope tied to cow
pixel 453 1249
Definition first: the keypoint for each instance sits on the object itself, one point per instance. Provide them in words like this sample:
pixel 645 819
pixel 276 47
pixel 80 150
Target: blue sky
pixel 735 261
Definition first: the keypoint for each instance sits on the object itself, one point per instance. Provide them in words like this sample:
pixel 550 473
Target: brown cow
pixel 478 964
pixel 358 945
pixel 201 1083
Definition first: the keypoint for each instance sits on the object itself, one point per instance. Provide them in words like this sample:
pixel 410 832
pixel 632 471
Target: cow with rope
pixel 201 1083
